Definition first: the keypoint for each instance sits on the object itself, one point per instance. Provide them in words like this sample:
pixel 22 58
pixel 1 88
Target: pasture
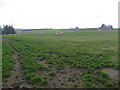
pixel 69 59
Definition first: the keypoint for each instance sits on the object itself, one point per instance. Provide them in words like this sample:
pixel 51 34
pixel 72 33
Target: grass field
pixel 73 59
pixel 0 62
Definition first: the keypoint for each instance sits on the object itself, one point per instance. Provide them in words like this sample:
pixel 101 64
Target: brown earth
pixel 65 78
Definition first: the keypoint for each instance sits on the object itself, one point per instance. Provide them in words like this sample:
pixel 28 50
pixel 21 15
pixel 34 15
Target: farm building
pixel 104 27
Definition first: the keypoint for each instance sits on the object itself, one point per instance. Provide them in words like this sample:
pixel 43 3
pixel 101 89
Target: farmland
pixel 0 62
pixel 73 59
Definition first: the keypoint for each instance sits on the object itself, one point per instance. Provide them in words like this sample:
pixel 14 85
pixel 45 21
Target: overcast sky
pixel 58 13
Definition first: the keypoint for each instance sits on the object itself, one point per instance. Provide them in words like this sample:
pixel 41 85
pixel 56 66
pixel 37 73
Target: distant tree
pixel 76 27
pixel 7 29
pixel 0 30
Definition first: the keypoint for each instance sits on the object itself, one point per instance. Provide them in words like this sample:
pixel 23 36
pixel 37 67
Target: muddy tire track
pixel 17 79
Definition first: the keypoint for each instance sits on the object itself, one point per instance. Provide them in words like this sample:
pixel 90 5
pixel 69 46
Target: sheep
pixel 58 33
pixel 41 32
pixel 61 32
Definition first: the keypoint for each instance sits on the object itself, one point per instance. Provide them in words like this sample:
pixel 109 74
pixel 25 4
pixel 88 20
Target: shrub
pixel 103 75
pixel 109 84
pixel 52 73
pixel 44 82
pixel 36 79
pixel 29 76
pixel 6 74
pixel 62 83
pixel 90 85
pixel 42 67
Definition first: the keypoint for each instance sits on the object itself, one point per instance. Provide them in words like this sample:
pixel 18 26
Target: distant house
pixel 104 27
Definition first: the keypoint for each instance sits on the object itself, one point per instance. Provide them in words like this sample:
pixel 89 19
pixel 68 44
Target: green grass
pixel 7 60
pixel 0 60
pixel 89 50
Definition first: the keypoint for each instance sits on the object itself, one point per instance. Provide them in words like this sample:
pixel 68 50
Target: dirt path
pixel 17 79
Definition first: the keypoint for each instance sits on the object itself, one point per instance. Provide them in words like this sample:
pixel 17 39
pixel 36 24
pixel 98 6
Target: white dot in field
pixel 56 33
pixel 41 32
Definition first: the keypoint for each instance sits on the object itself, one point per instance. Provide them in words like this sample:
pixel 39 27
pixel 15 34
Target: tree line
pixel 7 29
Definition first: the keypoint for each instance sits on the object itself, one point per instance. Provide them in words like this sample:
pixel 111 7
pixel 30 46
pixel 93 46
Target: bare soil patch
pixel 113 74
pixel 64 78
